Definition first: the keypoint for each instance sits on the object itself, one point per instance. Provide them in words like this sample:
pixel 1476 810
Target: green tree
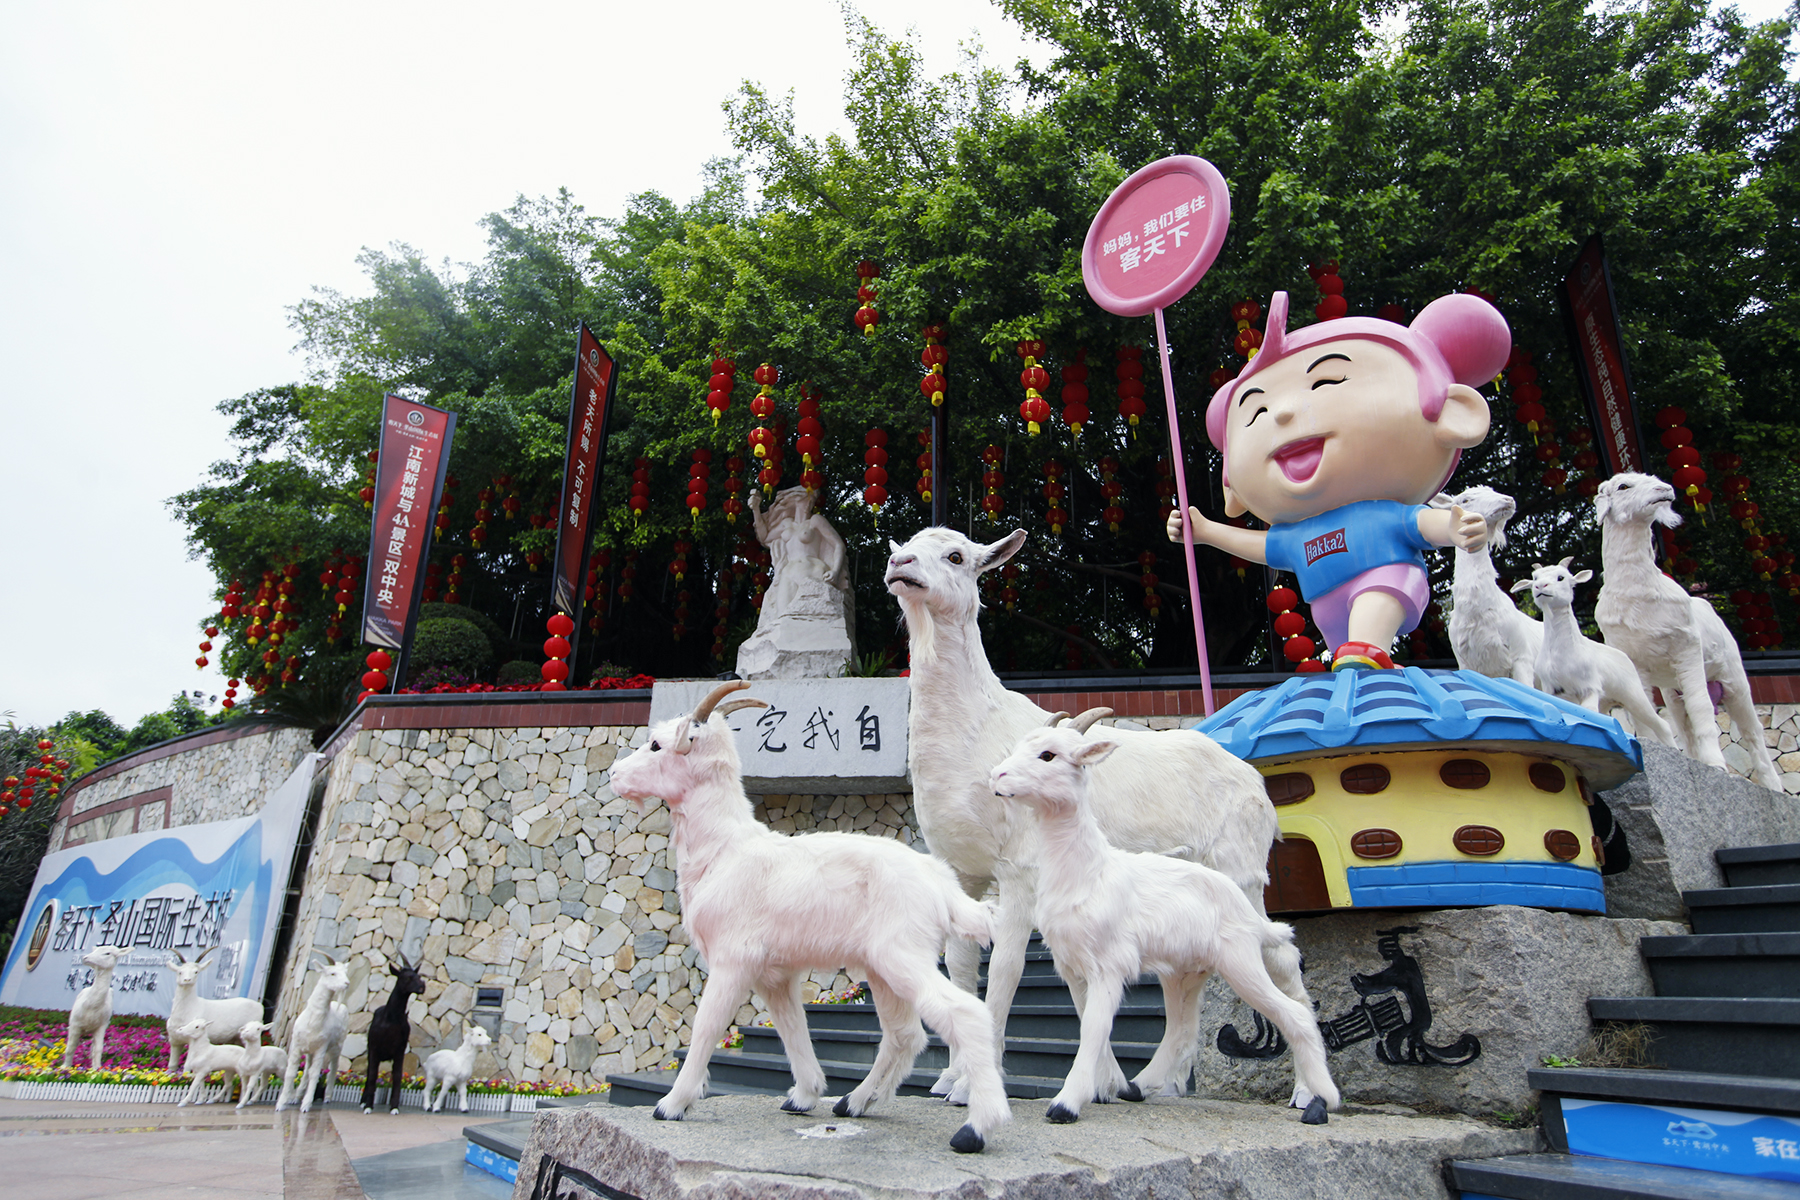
pixel 1478 147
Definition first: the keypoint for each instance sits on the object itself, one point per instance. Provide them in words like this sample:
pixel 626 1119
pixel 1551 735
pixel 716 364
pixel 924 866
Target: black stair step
pixel 732 1072
pixel 1724 964
pixel 1698 1089
pixel 1771 908
pixel 1685 1090
pixel 1716 1035
pixel 1757 866
pixel 505 1138
pixel 1571 1177
pixel 637 1088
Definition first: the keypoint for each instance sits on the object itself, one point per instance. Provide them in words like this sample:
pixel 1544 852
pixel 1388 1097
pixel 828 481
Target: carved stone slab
pixel 818 737
pixel 744 1146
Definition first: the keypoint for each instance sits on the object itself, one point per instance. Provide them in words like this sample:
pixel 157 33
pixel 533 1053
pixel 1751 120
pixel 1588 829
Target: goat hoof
pixel 393 1112
pixel 1131 1092
pixel 842 1108
pixel 967 1141
pixel 1058 1115
pixel 1315 1113
pixel 660 1115
pixel 367 1109
pixel 791 1106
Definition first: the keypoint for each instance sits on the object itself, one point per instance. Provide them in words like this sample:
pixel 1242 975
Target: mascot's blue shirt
pixel 1329 550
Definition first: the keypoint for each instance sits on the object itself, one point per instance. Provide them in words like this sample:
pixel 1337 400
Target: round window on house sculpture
pixel 1546 777
pixel 1562 844
pixel 1365 779
pixel 1465 773
pixel 1479 840
pixel 1288 788
pixel 1375 843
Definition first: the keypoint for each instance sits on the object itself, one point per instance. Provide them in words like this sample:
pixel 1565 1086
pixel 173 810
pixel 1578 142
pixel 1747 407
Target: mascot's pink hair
pixel 1456 339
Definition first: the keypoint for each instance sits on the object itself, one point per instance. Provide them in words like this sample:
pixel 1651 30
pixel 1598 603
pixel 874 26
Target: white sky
pixel 173 176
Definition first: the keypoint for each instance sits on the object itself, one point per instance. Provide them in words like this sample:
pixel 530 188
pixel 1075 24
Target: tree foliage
pixel 1478 144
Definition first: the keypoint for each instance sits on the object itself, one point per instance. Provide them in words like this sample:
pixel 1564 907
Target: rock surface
pixel 1515 979
pixel 744 1146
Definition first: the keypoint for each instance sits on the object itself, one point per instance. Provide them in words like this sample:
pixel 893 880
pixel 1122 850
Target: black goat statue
pixel 390 1031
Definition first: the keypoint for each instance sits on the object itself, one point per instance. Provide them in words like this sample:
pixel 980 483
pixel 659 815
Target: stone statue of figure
pixel 807 626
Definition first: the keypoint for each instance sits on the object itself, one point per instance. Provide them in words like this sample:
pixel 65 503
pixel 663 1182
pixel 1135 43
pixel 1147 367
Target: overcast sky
pixel 177 175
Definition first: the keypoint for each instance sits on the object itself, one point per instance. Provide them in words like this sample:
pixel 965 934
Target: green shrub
pixel 450 642
pixel 518 671
pixel 498 642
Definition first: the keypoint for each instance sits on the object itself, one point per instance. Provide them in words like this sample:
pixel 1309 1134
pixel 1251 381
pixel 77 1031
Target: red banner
pixel 1592 316
pixel 409 485
pixel 588 407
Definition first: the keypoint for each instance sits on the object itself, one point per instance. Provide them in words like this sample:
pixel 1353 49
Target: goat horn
pixel 207 955
pixel 731 706
pixel 1056 718
pixel 704 709
pixel 1081 723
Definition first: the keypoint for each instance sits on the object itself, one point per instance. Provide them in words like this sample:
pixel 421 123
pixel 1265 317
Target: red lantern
pixel 1331 292
pixel 1075 392
pixel 1130 374
pixel 935 355
pixel 724 378
pixel 866 316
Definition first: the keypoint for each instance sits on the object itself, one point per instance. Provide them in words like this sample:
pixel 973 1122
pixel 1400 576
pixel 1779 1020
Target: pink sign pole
pixel 1150 243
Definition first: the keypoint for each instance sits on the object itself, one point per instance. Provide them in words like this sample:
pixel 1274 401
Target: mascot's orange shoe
pixel 1360 656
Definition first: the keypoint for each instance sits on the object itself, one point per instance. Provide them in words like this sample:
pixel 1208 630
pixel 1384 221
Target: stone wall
pixel 501 858
pixel 214 775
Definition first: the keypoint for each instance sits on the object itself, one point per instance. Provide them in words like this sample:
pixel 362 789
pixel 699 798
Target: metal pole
pixel 1181 498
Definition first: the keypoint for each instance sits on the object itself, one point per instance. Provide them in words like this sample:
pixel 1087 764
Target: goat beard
pixel 921 629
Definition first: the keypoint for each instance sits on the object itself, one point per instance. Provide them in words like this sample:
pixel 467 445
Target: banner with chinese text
pixel 409 484
pixel 187 889
pixel 588 408
pixel 1592 316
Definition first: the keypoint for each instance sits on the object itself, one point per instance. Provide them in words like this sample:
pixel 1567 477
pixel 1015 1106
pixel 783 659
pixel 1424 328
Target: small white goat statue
pixel 261 1063
pixel 447 1069
pixel 1107 914
pixel 93 1008
pixel 317 1036
pixel 230 1058
pixel 1677 642
pixel 1581 670
pixel 764 909
pixel 1488 633
pixel 1175 791
pixel 223 1017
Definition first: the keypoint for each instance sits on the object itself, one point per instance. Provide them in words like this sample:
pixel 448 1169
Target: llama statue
pixel 1175 791
pixel 1488 633
pixel 1595 676
pixel 1676 641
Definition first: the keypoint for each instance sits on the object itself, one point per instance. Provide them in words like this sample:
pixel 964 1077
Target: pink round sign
pixel 1156 235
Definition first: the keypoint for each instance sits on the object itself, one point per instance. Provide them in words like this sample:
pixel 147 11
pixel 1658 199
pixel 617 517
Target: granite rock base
pixel 732 1147
pixel 1512 982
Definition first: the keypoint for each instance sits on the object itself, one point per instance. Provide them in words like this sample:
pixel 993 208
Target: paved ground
pixel 65 1151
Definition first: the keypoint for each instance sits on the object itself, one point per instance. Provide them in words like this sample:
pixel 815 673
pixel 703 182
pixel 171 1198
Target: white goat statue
pixel 223 1017
pixel 1176 791
pixel 93 1008
pixel 1579 669
pixel 447 1069
pixel 205 1057
pixel 764 909
pixel 1107 915
pixel 1488 633
pixel 1676 641
pixel 260 1064
pixel 317 1035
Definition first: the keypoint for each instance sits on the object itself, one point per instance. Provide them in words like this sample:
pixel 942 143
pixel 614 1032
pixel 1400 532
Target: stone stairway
pixel 1041 1037
pixel 1718 1114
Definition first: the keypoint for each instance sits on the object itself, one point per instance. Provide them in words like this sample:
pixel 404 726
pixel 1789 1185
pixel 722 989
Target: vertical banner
pixel 589 405
pixel 1592 316
pixel 409 484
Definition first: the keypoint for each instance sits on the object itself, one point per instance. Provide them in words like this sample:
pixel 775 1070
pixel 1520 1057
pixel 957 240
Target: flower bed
pixel 133 1069
pixel 603 684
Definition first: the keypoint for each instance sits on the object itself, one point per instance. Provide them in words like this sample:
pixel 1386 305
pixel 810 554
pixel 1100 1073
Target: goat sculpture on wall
pixel 389 1032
